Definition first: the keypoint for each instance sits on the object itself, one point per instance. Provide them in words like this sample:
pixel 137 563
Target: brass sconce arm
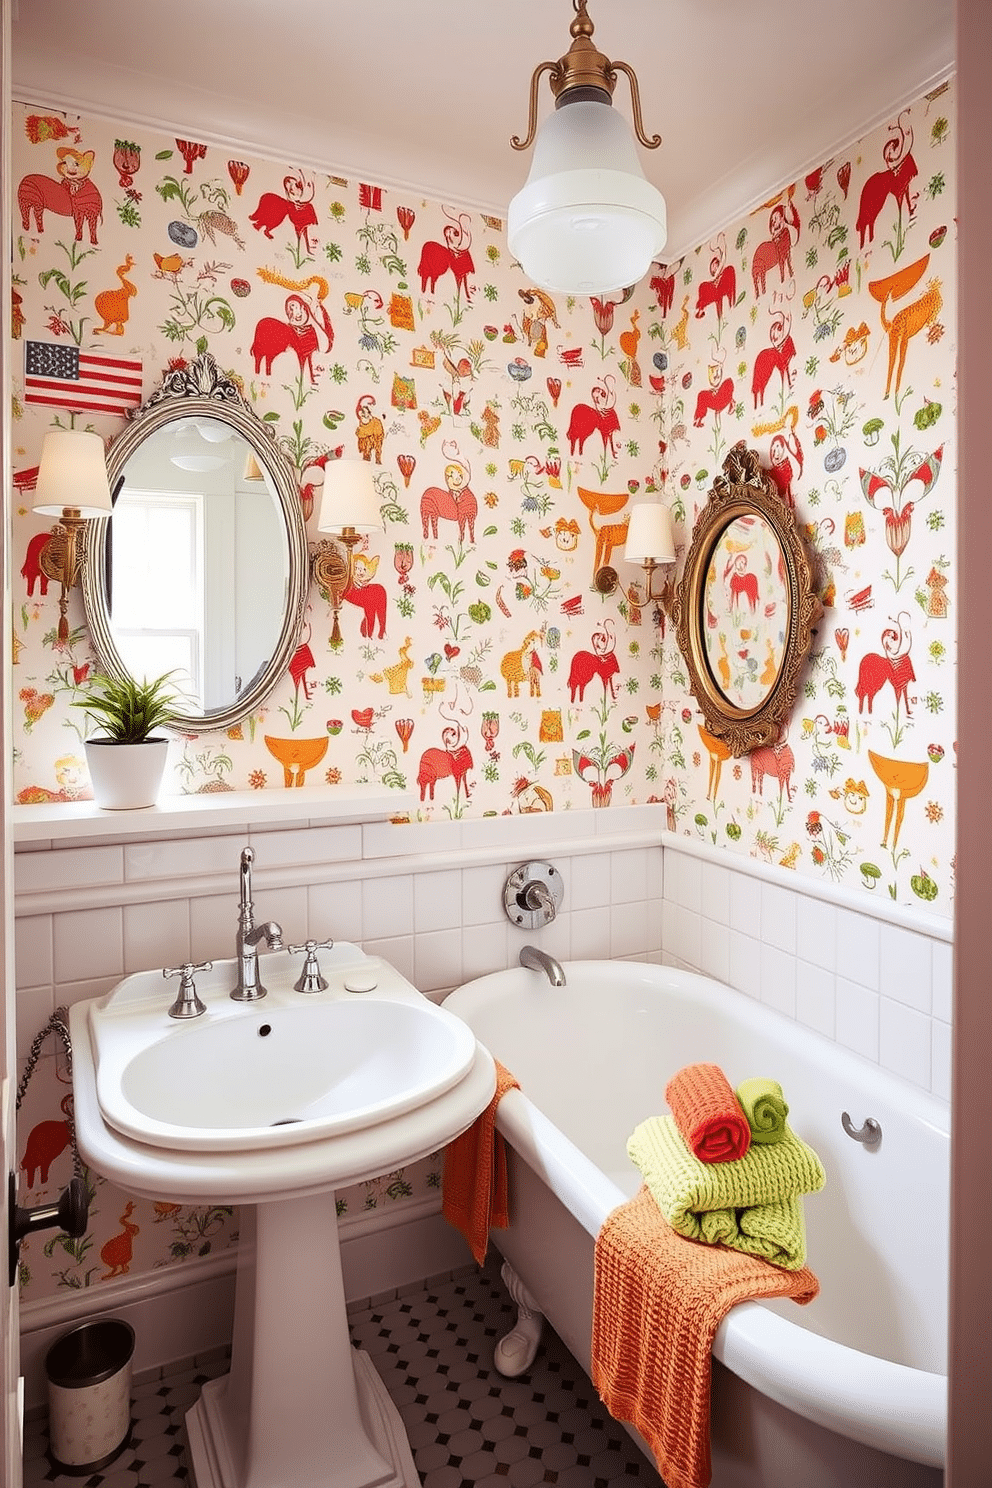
pixel 333 571
pixel 61 560
pixel 607 581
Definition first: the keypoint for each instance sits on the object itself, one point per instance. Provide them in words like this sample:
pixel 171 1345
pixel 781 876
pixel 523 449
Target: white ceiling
pixel 746 94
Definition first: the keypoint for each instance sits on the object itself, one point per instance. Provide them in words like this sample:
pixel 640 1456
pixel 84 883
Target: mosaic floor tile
pixel 467 1425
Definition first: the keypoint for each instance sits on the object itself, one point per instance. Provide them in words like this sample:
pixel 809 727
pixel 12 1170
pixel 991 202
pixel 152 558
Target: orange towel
pixel 708 1114
pixel 473 1181
pixel 658 1300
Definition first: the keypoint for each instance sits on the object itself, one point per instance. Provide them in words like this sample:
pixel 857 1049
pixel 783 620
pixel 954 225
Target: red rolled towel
pixel 708 1114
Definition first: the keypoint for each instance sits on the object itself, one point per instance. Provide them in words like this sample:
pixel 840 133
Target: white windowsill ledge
pixel 78 821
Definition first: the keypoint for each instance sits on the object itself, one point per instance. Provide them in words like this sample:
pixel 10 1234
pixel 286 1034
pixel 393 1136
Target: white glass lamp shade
pixel 586 221
pixel 649 534
pixel 72 472
pixel 349 498
pixel 191 452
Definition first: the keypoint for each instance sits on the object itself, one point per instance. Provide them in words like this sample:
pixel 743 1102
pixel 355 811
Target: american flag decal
pixel 65 377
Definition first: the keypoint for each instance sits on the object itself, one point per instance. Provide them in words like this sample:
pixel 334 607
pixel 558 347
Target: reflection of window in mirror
pixel 157 589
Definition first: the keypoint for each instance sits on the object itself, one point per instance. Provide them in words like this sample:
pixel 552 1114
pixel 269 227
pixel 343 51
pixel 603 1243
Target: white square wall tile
pixel 156 935
pixel 631 932
pixel 744 971
pixel 683 883
pixel 905 968
pixel 940 1059
pixel 745 904
pixel 482 893
pixel 399 951
pixel 778 917
pixel 437 959
pixel 437 900
pixel 387 906
pixel 816 1003
pixel 778 980
pixel 334 911
pixel 857 1018
pixel 714 950
pixel 213 925
pixel 591 935
pixel 33 950
pixel 302 845
pixel 32 1009
pixel 816 932
pixel 714 893
pixel 904 1041
pixel 88 943
pixel 858 948
pixel 588 881
pixel 629 875
pixel 942 967
pixel 484 949
pixel 683 935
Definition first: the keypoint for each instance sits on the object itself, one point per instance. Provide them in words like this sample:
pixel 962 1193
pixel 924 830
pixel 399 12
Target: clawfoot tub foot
pixel 514 1354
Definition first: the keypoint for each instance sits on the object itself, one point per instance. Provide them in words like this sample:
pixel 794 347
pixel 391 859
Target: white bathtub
pixel 851 1388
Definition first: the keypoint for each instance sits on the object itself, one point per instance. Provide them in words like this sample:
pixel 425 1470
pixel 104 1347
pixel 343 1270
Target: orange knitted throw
pixel 657 1303
pixel 473 1180
pixel 708 1114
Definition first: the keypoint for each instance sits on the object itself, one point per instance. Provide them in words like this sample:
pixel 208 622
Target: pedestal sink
pixel 272 1105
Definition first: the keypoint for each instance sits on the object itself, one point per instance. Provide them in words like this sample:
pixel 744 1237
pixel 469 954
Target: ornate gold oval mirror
pixel 202 569
pixel 745 608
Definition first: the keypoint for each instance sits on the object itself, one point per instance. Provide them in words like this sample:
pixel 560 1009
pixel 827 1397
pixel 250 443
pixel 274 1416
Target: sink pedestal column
pixel 300 1408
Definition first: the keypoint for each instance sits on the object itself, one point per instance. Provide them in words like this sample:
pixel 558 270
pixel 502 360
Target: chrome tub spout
pixel 537 960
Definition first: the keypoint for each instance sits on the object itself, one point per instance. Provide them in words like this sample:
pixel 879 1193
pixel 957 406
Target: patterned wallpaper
pixel 509 432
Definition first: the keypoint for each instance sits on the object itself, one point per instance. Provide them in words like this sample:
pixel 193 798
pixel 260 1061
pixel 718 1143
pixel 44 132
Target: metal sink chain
pixel 58 1024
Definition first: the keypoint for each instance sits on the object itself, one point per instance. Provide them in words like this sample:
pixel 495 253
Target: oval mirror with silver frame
pixel 202 570
pixel 746 607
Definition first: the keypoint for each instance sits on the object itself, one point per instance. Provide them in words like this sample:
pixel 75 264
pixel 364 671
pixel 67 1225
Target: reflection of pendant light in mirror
pixel 587 221
pixel 189 452
pixel 213 431
pixel 72 485
pixel 349 507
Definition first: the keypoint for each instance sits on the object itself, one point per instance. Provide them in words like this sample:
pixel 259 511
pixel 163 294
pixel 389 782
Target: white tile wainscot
pixel 859 970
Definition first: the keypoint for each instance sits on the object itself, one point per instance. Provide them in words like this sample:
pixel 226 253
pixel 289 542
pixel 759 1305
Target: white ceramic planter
pixel 126 776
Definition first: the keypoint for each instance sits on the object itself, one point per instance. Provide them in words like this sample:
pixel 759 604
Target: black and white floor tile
pixel 433 1347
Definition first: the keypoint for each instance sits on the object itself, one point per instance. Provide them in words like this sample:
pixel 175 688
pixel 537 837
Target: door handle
pixel 71 1214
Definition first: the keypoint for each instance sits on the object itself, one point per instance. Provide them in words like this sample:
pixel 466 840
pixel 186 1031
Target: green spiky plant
pixel 128 711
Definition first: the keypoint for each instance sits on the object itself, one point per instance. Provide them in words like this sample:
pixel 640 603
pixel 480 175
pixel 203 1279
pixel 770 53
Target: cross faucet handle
pixel 187 1003
pixel 310 979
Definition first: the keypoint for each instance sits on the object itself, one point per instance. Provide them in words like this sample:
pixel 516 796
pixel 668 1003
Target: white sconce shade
pixel 649 534
pixel 349 498
pixel 587 221
pixel 72 473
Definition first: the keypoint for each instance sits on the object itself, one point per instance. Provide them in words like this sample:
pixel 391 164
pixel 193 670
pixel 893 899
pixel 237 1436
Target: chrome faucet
pixel 536 960
pixel 249 987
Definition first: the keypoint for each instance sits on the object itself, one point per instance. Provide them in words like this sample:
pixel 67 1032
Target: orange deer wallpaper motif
pixel 509 431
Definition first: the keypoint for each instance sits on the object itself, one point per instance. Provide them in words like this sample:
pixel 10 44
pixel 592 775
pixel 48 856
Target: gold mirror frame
pixel 745 492
pixel 201 389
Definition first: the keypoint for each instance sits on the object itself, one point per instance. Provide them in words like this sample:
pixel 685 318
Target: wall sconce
pixel 72 485
pixel 587 220
pixel 349 507
pixel 651 543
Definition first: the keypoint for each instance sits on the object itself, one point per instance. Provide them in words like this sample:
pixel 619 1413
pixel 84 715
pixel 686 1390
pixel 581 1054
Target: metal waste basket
pixel 89 1394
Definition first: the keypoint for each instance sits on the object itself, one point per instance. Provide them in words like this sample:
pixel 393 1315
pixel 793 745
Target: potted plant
pixel 127 760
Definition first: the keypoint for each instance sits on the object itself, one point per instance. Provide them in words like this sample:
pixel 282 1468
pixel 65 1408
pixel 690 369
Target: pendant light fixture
pixel 587 221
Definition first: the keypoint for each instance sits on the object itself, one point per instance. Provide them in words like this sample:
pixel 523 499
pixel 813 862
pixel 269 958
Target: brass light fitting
pixel 583 73
pixel 586 221
pixel 72 485
pixel 349 508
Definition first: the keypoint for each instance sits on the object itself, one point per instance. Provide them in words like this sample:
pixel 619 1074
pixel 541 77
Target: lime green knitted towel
pixel 765 1107
pixel 752 1204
